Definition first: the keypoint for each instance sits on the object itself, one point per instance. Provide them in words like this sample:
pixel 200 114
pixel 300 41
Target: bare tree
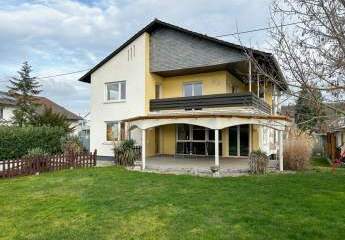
pixel 312 52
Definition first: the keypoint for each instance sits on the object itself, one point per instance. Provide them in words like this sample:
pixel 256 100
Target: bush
pixel 15 142
pixel 125 153
pixel 297 150
pixel 36 152
pixel 71 145
pixel 258 162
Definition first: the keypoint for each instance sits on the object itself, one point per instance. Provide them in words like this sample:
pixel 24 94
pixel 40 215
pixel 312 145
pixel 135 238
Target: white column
pixel 216 147
pixel 281 166
pixel 143 148
pixel 250 75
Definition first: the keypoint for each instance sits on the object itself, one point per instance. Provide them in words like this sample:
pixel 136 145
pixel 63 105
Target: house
pixel 184 96
pixel 8 105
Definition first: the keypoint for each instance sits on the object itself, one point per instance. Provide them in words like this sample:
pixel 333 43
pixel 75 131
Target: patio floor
pixel 195 164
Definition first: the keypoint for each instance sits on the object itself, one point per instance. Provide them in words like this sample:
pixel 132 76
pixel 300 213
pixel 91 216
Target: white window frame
pixel 192 83
pixel 118 130
pixel 106 100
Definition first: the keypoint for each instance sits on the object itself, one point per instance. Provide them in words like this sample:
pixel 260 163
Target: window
pixel 116 91
pixel 116 131
pixel 112 131
pixel 1 113
pixel 196 140
pixel 192 89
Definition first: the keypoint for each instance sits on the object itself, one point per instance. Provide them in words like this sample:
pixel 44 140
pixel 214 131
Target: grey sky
pixel 62 36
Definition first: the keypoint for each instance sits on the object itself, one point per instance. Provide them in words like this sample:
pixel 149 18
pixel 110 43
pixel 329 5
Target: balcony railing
pixel 210 101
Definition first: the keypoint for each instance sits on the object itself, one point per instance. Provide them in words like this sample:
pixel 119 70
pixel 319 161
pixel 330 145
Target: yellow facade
pixel 212 83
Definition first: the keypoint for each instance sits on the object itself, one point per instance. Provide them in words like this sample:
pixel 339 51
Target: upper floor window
pixel 192 89
pixel 115 91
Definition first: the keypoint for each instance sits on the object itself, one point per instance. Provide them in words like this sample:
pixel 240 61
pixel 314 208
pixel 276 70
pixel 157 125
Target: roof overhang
pixel 212 120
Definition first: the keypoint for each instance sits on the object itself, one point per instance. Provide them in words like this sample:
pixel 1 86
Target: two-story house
pixel 181 93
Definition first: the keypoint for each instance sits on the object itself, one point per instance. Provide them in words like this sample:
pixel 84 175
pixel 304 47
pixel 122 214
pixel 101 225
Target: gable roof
pixel 8 100
pixel 156 23
pixel 56 108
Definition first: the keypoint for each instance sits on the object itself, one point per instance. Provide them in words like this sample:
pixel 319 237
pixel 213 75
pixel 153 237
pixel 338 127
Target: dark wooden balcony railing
pixel 210 101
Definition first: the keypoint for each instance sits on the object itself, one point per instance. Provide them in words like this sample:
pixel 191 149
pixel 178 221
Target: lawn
pixel 112 203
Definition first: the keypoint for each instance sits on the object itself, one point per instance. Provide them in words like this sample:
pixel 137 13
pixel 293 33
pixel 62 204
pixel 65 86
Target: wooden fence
pixel 32 165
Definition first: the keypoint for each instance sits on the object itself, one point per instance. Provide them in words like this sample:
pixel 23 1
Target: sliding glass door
pixel 195 140
pixel 239 140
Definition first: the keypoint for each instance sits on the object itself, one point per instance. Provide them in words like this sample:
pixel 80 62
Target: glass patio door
pixel 239 140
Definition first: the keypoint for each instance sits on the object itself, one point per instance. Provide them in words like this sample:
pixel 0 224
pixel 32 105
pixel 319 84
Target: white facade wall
pixel 121 67
pixel 7 114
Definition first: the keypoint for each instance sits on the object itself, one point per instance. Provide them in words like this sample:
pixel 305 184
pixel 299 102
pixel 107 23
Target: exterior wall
pixel 168 140
pixel 269 93
pixel 119 68
pixel 212 83
pixel 7 114
pixel 151 142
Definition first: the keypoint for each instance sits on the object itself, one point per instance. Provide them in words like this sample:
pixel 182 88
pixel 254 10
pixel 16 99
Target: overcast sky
pixel 58 36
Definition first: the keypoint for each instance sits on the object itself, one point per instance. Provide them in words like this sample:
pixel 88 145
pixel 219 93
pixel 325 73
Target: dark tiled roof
pixel 158 23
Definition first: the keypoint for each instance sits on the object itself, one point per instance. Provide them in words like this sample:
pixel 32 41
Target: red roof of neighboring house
pixel 47 103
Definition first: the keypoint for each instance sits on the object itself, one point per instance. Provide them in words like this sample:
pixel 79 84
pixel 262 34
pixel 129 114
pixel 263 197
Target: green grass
pixel 319 162
pixel 112 203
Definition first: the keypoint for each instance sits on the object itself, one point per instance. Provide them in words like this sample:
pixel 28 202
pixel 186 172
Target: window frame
pixel 106 131
pixel 193 91
pixel 120 86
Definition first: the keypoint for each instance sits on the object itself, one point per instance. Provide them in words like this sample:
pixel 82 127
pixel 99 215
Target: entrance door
pixel 239 140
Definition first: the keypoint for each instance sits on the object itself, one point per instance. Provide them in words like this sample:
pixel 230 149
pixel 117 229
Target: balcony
pixel 211 101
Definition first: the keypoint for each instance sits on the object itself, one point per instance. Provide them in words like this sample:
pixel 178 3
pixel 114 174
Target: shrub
pixel 125 153
pixel 36 152
pixel 71 145
pixel 17 141
pixel 258 162
pixel 297 150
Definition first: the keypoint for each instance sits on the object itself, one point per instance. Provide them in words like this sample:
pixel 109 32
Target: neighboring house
pixel 84 133
pixel 185 94
pixel 8 105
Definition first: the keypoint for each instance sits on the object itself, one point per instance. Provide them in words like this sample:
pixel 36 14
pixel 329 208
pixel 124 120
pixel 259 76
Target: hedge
pixel 17 141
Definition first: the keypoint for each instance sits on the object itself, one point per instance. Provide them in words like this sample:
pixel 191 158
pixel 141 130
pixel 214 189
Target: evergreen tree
pixel 309 114
pixel 24 88
pixel 51 119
